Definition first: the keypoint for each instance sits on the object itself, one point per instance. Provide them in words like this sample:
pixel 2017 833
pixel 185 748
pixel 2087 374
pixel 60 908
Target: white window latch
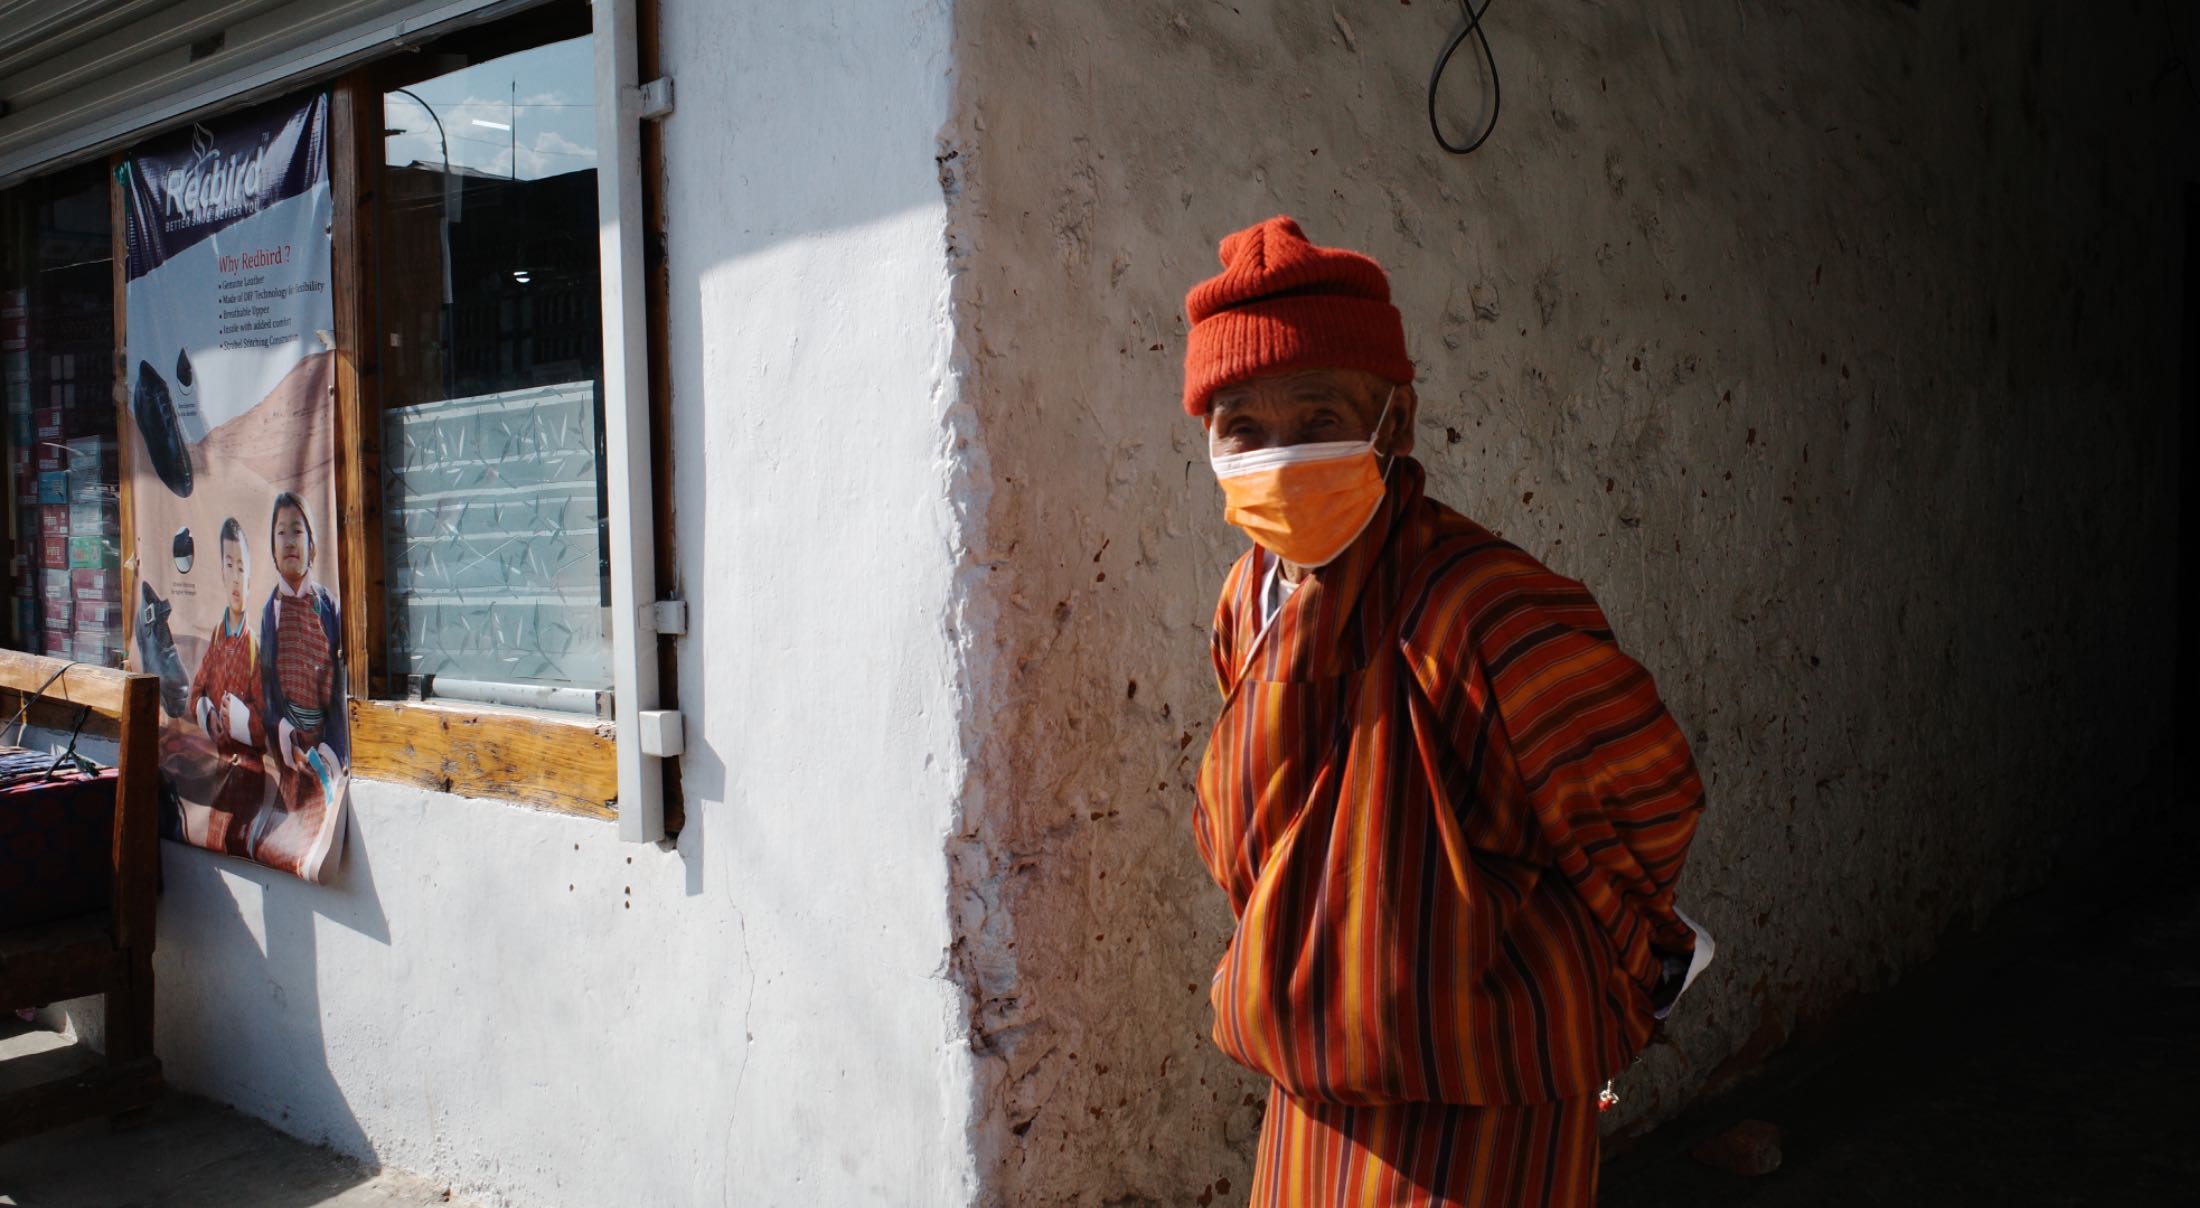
pixel 669 617
pixel 654 99
pixel 664 732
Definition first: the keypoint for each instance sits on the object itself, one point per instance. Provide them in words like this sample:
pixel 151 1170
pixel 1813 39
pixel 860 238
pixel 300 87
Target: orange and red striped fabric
pixel 1425 1155
pixel 1448 813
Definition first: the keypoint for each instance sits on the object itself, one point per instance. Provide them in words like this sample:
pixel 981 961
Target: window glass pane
pixel 57 340
pixel 491 364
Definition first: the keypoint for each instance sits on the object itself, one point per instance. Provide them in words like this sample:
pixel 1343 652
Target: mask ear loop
pixel 1389 459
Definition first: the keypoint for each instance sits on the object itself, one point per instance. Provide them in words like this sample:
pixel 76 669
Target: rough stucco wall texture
pixel 1829 344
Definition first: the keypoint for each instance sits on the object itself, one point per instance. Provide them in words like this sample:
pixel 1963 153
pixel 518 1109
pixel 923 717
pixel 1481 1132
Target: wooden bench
pixel 109 952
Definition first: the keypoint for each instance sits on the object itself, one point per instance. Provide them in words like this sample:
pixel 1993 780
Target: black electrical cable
pixel 1473 29
pixel 70 753
pixel 22 715
pixel 76 731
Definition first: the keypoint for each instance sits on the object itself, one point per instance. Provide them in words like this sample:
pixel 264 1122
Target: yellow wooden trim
pixel 63 681
pixel 569 765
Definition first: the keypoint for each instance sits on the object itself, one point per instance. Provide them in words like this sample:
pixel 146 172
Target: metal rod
pixel 588 701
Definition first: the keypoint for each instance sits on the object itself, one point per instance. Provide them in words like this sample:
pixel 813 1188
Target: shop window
pixel 475 558
pixel 471 406
pixel 489 330
pixel 57 338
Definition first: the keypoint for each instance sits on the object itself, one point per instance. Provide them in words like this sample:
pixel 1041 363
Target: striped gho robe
pixel 1448 813
pixel 231 667
pixel 301 683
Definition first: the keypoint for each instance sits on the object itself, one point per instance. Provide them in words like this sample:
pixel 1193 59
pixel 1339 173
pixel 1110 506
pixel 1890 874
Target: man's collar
pixel 1325 603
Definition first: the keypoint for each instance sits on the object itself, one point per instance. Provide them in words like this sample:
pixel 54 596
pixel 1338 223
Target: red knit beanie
pixel 1281 304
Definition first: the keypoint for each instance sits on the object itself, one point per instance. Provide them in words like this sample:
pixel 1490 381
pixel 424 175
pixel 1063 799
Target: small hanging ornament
pixel 1607 1099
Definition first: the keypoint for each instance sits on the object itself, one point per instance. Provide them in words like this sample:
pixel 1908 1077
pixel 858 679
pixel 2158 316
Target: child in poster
pixel 225 702
pixel 302 684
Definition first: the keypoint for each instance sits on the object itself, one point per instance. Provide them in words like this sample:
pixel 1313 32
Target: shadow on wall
pixel 255 1039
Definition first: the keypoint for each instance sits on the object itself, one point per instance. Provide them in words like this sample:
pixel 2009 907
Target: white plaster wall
pixel 1830 344
pixel 518 1004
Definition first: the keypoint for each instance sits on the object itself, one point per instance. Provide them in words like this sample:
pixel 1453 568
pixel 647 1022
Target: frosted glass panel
pixel 495 560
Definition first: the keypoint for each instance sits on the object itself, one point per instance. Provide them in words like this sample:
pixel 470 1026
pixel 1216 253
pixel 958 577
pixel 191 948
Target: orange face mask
pixel 1304 503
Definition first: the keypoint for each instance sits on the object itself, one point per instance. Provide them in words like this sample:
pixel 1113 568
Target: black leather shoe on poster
pixel 157 651
pixel 156 421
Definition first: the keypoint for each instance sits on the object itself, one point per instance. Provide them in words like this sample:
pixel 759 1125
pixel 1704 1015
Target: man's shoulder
pixel 1460 563
pixel 1475 599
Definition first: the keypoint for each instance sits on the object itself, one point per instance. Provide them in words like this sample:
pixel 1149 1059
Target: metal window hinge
pixel 663 732
pixel 654 99
pixel 670 617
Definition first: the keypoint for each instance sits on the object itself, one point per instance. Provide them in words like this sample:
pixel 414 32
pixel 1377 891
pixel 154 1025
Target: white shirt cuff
pixel 1697 961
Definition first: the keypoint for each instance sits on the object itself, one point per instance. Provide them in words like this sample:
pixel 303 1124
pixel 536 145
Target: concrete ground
pixel 186 1153
pixel 2048 1060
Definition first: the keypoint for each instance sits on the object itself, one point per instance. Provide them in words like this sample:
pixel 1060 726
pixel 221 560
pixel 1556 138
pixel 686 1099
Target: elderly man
pixel 1447 810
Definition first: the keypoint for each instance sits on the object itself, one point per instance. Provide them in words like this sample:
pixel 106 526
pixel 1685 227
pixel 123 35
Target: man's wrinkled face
pixel 293 547
pixel 234 573
pixel 1312 406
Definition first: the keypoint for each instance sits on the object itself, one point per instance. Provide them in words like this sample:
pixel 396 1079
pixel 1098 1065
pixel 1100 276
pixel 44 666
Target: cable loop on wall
pixel 1472 29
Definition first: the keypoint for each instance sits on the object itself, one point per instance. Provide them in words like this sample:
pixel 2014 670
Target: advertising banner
pixel 231 461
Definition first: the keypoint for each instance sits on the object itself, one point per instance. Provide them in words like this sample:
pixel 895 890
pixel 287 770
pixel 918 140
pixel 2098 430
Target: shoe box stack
pixel 66 549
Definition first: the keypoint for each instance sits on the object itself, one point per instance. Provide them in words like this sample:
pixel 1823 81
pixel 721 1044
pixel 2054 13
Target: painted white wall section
pixel 520 1005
